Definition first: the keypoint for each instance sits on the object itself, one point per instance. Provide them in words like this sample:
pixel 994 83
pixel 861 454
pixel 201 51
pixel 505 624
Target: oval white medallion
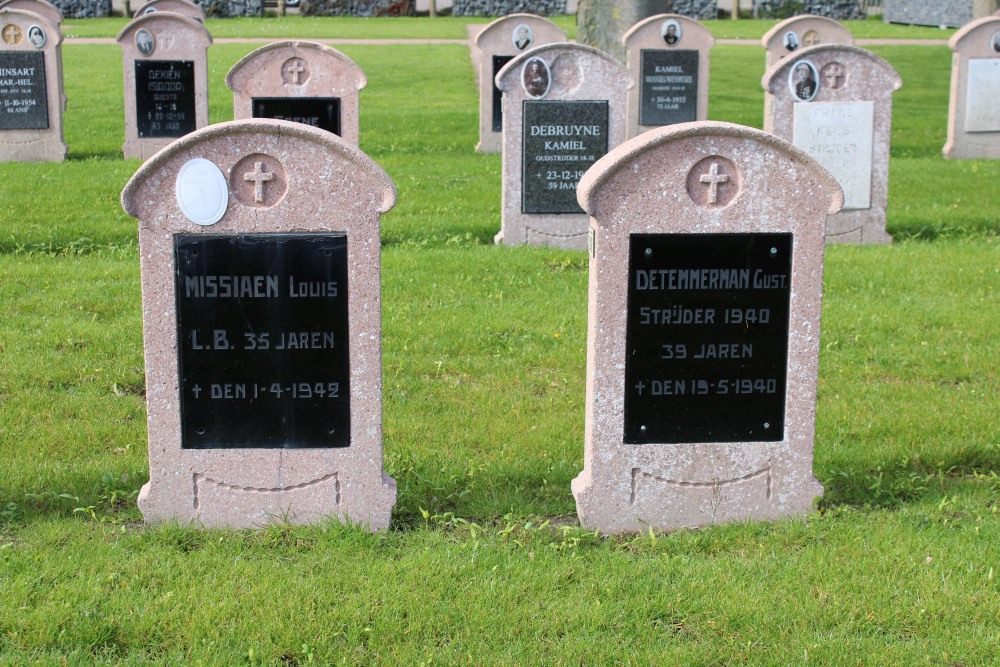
pixel 202 192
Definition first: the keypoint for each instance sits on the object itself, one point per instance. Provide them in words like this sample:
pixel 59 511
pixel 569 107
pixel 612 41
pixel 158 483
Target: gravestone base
pixel 243 489
pixel 702 487
pixel 860 226
pixel 26 146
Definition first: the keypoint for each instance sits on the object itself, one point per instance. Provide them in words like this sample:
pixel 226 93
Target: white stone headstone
pixel 982 110
pixel 839 136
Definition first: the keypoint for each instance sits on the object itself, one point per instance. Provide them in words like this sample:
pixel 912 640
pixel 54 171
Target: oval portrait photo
pixel 145 43
pixel 671 32
pixel 536 78
pixel 523 37
pixel 995 42
pixel 36 36
pixel 791 41
pixel 803 80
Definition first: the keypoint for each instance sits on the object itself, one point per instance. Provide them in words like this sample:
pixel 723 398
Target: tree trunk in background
pixel 601 23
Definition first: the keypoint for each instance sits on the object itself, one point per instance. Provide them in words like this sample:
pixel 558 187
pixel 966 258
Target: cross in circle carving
pixel 259 178
pixel 834 74
pixel 296 68
pixel 713 179
pixel 11 34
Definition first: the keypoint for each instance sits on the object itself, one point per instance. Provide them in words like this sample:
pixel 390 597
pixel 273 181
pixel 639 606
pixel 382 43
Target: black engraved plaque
pixel 164 98
pixel 668 91
pixel 23 101
pixel 706 340
pixel 561 141
pixel 321 112
pixel 262 331
pixel 498 63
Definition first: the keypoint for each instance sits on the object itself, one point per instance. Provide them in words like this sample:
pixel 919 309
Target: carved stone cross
pixel 12 34
pixel 259 178
pixel 296 68
pixel 713 179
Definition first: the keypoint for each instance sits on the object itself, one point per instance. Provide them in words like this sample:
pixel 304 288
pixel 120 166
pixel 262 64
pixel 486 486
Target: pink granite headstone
pixel 974 110
pixel 564 108
pixel 800 32
pixel 495 46
pixel 259 251
pixel 668 60
pixel 835 103
pixel 303 82
pixel 165 62
pixel 43 8
pixel 31 93
pixel 706 278
pixel 182 7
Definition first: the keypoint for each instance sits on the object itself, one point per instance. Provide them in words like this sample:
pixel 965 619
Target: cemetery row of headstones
pixel 261 278
pixel 560 107
pixel 260 254
pixel 838 111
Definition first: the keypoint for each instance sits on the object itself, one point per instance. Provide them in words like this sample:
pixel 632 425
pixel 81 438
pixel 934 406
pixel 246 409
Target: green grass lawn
pixel 484 374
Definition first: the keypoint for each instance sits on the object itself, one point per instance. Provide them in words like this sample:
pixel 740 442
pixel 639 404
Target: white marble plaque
pixel 982 108
pixel 839 136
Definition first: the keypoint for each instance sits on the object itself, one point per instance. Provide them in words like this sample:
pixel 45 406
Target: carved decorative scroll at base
pixel 213 498
pixel 723 499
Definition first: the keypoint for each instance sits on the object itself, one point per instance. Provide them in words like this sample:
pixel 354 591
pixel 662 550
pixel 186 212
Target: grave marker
pixel 165 59
pixel 31 100
pixel 303 82
pixel 801 32
pixel 43 8
pixel 835 103
pixel 182 7
pixel 973 111
pixel 259 245
pixel 668 60
pixel 564 107
pixel 497 44
pixel 706 276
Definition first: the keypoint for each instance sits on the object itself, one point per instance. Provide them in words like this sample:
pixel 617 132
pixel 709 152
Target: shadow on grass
pixel 894 484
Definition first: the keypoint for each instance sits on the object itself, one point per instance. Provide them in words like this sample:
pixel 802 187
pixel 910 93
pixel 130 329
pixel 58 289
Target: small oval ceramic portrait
pixel 671 32
pixel 523 36
pixel 803 80
pixel 536 77
pixel 791 41
pixel 149 10
pixel 145 43
pixel 36 36
pixel 995 42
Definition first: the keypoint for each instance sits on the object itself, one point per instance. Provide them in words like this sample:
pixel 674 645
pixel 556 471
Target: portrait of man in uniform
pixel 802 81
pixel 535 77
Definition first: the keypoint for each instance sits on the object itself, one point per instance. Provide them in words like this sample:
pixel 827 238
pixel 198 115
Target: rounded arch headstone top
pixel 973 116
pixel 302 81
pixel 705 294
pixel 496 45
pixel 565 107
pixel 799 32
pixel 31 127
pixel 668 58
pixel 43 8
pixel 835 102
pixel 165 69
pixel 260 265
